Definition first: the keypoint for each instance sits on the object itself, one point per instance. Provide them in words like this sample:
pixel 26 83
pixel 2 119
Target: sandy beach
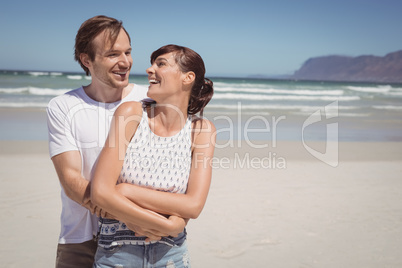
pixel 298 212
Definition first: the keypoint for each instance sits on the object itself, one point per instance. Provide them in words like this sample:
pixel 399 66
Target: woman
pixel 160 145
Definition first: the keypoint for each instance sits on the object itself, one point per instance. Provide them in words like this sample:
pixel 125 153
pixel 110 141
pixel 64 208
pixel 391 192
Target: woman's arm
pixel 190 204
pixel 103 186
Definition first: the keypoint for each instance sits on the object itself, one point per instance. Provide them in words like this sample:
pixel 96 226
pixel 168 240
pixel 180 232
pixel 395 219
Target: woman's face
pixel 165 77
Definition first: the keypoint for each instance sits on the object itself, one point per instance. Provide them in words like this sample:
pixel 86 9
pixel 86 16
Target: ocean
pixel 246 108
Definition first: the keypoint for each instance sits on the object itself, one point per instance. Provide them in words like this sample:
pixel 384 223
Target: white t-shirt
pixel 78 123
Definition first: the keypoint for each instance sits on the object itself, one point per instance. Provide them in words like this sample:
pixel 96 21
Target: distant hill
pixel 386 69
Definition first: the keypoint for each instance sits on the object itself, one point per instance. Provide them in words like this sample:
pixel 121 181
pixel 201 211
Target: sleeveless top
pixel 159 163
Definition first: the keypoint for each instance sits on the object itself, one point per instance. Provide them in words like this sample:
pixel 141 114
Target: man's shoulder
pixel 138 93
pixel 69 98
pixel 140 86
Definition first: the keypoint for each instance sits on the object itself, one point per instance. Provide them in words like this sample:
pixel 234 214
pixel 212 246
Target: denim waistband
pixel 114 233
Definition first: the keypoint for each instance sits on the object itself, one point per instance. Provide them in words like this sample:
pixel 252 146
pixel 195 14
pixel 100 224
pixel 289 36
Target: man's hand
pixel 96 210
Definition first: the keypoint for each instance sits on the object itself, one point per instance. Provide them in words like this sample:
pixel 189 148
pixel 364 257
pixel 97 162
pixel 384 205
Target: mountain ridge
pixel 365 68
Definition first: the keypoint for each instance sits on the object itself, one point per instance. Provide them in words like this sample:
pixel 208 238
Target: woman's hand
pixel 151 235
pixel 178 225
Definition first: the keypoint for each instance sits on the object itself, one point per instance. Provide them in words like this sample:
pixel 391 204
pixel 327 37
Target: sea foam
pixel 38 73
pixel 260 97
pixel 281 91
pixel 379 89
pixel 34 91
pixel 74 77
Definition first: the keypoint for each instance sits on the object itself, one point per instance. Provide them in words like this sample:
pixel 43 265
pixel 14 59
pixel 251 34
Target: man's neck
pixel 107 95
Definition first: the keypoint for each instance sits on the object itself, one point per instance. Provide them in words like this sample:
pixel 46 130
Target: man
pixel 78 124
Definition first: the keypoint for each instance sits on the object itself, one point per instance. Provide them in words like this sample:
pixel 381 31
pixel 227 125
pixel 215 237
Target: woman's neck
pixel 167 119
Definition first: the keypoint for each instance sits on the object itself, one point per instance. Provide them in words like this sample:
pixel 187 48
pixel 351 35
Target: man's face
pixel 111 66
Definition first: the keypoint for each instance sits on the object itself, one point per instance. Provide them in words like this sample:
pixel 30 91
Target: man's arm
pixel 68 167
pixel 77 188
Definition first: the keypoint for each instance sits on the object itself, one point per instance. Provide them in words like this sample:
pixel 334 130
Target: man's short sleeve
pixel 59 130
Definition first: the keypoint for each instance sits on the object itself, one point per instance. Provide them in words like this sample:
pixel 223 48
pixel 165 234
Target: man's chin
pixel 123 83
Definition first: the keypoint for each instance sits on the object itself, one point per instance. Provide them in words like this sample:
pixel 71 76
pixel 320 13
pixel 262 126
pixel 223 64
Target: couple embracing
pixel 132 162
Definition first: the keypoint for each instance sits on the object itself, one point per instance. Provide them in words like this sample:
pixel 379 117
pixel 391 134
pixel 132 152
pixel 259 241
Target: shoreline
pixel 292 150
pixel 30 124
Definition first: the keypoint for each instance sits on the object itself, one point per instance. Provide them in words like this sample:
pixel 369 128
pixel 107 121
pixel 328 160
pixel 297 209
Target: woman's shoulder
pixel 203 134
pixel 202 127
pixel 129 108
pixel 201 123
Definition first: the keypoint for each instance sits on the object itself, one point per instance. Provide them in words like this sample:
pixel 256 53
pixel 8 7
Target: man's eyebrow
pixel 115 50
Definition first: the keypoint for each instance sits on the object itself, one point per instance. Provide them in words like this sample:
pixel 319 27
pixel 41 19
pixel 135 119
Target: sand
pixel 296 212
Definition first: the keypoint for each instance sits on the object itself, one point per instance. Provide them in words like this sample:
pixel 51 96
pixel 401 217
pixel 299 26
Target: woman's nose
pixel 150 70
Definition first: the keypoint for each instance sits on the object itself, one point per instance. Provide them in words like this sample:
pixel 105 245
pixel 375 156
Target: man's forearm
pixel 77 189
pixel 68 169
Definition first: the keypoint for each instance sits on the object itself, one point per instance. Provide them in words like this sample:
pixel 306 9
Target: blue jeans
pixel 150 255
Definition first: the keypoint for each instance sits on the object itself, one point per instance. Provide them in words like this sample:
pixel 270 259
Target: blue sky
pixel 235 38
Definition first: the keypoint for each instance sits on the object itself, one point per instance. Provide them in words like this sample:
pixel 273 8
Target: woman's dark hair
pixel 89 30
pixel 190 61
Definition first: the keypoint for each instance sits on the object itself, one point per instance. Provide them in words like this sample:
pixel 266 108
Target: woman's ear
pixel 189 78
pixel 85 60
